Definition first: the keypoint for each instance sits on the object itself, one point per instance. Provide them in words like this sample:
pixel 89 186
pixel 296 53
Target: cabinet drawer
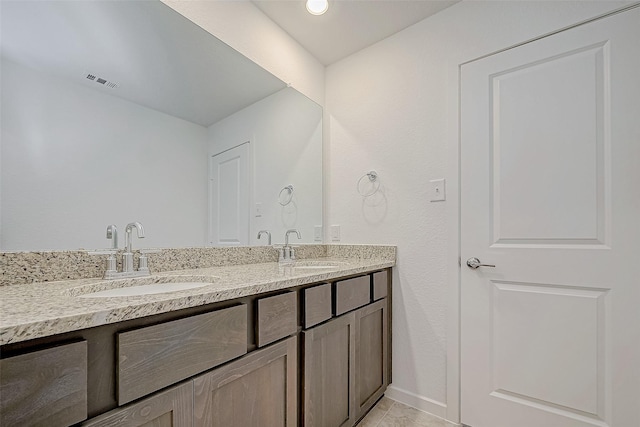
pixel 277 318
pixel 317 304
pixel 154 357
pixel 352 293
pixel 45 388
pixel 380 285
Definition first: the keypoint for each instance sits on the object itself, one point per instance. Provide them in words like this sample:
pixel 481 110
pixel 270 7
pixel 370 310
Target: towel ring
pixel 373 178
pixel 288 196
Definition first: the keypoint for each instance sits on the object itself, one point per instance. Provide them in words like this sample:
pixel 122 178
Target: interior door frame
pixel 454 146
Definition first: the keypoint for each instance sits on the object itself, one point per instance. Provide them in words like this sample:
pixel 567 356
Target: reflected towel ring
pixel 373 179
pixel 287 197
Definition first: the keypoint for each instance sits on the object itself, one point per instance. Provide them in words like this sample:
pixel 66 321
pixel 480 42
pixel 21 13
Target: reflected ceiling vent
pixel 101 81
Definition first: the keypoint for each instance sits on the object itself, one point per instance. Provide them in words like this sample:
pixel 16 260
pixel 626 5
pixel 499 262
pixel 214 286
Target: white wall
pixel 393 107
pixel 285 131
pixel 75 160
pixel 245 28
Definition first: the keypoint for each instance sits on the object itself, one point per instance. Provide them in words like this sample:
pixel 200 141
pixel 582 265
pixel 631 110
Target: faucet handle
pixel 111 265
pixel 112 234
pixel 143 267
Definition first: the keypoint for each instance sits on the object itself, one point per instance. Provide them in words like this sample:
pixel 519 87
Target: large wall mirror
pixel 122 111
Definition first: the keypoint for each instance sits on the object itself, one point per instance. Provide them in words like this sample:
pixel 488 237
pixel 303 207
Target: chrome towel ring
pixel 374 182
pixel 285 199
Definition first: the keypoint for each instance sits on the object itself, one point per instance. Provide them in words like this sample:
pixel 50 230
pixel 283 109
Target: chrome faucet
pixel 127 256
pixel 288 254
pixel 286 235
pixel 261 232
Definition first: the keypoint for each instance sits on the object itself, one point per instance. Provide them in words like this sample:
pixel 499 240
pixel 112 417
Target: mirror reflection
pixel 114 112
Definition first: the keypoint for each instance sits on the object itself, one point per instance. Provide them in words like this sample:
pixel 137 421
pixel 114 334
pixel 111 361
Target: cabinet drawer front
pixel 277 318
pixel 154 357
pixel 45 388
pixel 380 285
pixel 317 304
pixel 352 293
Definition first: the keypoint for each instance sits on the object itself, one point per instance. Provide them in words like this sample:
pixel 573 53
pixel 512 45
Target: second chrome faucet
pixel 287 253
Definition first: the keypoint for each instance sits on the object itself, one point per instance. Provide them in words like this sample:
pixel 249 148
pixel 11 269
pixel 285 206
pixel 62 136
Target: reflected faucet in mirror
pixel 268 233
pixel 112 234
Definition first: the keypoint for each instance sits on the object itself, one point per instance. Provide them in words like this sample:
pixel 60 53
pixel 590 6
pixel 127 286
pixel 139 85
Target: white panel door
pixel 550 195
pixel 229 197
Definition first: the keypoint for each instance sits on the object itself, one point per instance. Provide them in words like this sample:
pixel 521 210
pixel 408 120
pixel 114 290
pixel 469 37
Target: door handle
pixel 475 263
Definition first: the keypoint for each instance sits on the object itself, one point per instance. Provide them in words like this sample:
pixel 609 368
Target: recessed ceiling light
pixel 317 7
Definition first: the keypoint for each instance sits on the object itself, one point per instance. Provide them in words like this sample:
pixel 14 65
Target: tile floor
pixel 389 413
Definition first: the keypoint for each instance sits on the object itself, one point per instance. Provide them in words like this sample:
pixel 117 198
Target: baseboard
pixel 425 404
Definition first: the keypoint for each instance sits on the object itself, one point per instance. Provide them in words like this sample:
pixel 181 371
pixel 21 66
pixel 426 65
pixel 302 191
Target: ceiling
pixel 141 51
pixel 349 25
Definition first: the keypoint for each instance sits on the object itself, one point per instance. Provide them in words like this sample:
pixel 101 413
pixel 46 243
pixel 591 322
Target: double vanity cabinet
pixel 311 355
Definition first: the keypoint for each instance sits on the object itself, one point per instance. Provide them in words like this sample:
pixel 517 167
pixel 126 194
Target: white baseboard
pixel 422 403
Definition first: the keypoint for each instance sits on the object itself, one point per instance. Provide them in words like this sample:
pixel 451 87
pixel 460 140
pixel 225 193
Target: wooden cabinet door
pixel 170 408
pixel 329 352
pixel 371 354
pixel 260 389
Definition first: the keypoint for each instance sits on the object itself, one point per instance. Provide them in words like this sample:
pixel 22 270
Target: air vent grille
pixel 101 81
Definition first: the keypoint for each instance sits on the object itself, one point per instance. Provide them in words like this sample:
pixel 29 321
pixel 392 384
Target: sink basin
pixel 317 265
pixel 157 288
pixel 141 286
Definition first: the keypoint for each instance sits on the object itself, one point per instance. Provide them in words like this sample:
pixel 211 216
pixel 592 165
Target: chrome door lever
pixel 475 263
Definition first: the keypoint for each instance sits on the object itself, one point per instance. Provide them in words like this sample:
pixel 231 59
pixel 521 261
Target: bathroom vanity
pixel 262 344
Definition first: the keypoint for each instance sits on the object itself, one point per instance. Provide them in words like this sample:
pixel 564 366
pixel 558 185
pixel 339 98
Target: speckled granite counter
pixel 35 310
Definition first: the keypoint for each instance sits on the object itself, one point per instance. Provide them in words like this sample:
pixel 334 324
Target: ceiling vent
pixel 101 81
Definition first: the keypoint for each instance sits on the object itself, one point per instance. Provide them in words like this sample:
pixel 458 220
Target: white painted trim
pixel 422 403
pixel 453 246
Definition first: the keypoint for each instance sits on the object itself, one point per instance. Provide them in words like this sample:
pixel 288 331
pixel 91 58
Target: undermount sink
pixel 141 286
pixel 317 265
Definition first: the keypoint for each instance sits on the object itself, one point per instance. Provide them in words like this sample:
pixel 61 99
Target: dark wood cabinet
pixel 259 389
pixel 277 318
pixel 371 345
pixel 317 305
pixel 235 363
pixel 157 356
pixel 169 408
pixel 329 375
pixel 352 293
pixel 345 366
pixel 54 394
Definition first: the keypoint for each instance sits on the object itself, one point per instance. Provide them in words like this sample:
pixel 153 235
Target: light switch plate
pixel 317 233
pixel 335 233
pixel 437 190
pixel 258 209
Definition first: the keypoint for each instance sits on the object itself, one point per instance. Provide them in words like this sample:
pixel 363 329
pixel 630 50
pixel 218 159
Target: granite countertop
pixel 38 310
